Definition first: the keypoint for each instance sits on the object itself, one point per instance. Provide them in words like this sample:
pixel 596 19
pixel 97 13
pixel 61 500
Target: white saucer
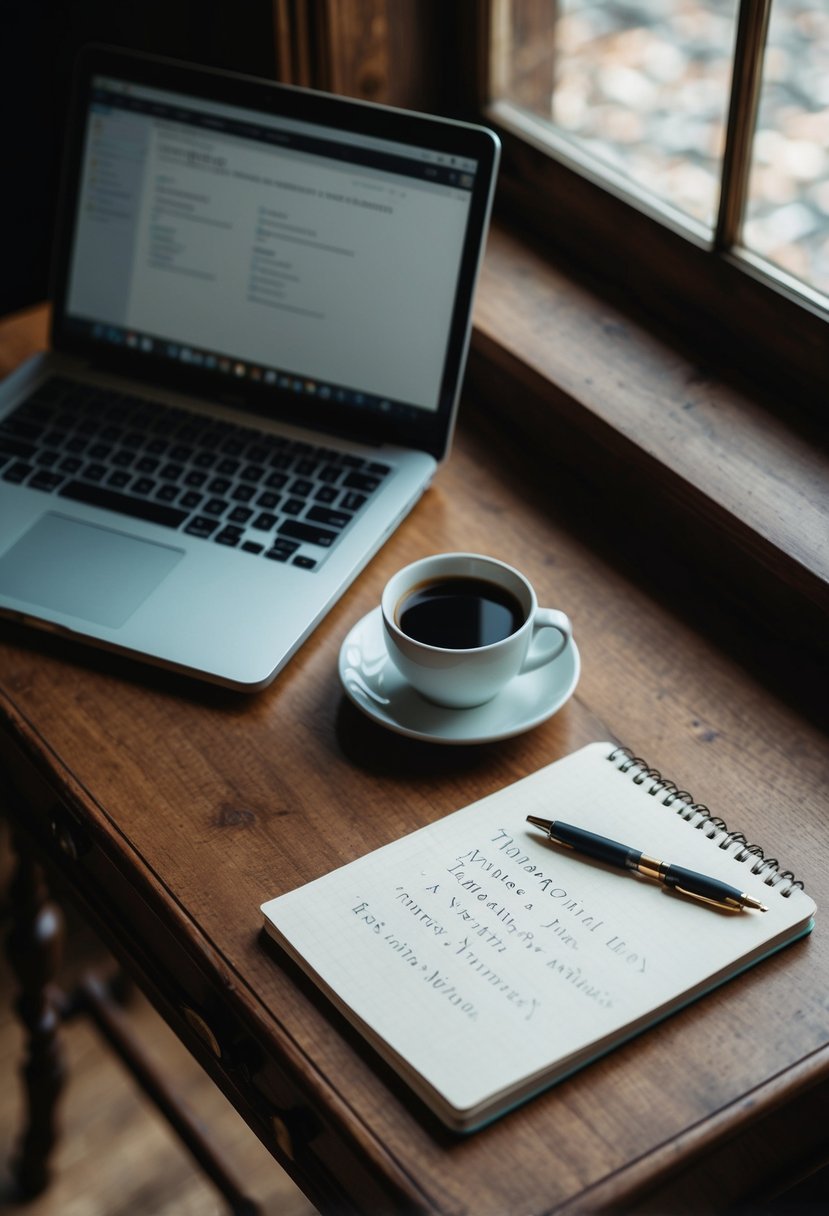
pixel 374 684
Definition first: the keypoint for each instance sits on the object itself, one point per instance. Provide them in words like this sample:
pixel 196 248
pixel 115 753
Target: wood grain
pixel 687 473
pixel 712 439
pixel 210 803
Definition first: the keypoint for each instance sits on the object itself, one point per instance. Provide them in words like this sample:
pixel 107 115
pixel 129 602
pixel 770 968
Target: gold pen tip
pixel 750 902
pixel 544 824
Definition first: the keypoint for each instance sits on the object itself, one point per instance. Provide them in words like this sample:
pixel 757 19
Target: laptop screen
pixel 325 260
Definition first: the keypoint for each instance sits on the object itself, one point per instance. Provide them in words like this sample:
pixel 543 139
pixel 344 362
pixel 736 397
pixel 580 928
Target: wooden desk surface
pixel 210 803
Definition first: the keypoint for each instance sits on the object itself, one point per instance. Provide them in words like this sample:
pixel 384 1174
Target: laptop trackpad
pixel 84 570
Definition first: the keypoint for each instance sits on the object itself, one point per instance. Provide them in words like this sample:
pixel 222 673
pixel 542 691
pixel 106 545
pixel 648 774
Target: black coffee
pixel 459 613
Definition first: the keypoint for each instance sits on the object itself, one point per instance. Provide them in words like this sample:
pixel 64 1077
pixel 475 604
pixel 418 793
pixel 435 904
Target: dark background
pixel 38 43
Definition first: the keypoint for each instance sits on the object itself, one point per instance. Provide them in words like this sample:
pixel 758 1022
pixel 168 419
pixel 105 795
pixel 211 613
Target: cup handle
pixel 538 655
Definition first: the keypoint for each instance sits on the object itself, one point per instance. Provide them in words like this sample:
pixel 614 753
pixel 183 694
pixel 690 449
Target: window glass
pixel 641 87
pixel 787 218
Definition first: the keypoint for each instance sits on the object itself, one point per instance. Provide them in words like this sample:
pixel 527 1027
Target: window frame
pixel 688 282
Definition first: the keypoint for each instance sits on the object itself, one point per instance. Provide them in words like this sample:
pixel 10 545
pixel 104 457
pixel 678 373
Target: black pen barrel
pixel 611 852
pixel 699 884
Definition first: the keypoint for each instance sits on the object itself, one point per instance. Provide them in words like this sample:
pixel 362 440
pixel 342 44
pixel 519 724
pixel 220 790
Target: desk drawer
pixel 168 958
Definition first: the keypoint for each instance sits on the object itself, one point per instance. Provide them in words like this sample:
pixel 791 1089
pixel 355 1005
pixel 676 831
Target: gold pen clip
pixel 731 906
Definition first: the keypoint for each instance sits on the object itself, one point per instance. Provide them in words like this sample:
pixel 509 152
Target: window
pixel 681 148
pixel 699 456
pixel 665 435
pixel 787 213
pixel 661 191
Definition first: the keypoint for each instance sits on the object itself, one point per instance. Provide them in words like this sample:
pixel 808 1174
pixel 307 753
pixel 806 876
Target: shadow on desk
pixel 382 752
pixel 120 666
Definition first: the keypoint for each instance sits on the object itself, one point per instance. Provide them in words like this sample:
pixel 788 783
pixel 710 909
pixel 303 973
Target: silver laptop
pixel 262 307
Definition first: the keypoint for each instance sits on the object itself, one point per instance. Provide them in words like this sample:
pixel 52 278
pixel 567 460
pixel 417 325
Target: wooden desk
pixel 173 810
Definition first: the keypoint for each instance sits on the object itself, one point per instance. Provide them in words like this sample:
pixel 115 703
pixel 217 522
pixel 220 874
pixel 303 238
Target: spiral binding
pixel 702 819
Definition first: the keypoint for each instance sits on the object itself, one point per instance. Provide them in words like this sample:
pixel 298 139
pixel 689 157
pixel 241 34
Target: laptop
pixel 261 313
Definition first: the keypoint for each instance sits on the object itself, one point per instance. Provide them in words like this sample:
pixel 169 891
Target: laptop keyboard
pixel 232 485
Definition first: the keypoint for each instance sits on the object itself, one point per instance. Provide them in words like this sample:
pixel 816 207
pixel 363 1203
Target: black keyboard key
pixel 143 485
pixel 20 427
pixel 327 494
pixel 332 519
pixel 188 433
pixel 215 506
pixel 202 526
pixel 70 464
pixel 147 464
pixel 276 481
pixel 119 479
pixel 11 446
pixel 352 501
pixel 252 472
pixel 54 438
pixel 297 529
pixel 243 493
pixel 95 472
pixel 172 471
pixel 366 483
pixel 45 479
pixel 190 500
pixel 307 563
pixel 251 546
pixel 267 500
pixel 240 515
pixel 301 487
pixel 228 536
pixel 281 550
pixel 293 506
pixel 112 500
pixel 169 493
pixel 382 470
pixel 195 479
pixel 264 522
pixel 219 485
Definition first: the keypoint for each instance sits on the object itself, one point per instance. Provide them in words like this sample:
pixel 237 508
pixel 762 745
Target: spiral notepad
pixel 699 816
pixel 475 930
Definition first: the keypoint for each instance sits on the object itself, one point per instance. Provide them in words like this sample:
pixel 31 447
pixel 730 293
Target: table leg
pixel 34 948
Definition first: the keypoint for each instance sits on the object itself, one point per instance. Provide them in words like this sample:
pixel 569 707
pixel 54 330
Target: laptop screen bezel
pixel 425 429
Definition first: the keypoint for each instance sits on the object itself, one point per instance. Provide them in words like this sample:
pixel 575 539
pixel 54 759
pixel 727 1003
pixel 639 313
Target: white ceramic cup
pixel 463 678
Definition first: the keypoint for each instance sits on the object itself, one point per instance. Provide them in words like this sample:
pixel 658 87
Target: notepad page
pixel 483 960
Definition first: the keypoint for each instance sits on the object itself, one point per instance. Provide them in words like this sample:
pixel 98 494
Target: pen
pixel 676 878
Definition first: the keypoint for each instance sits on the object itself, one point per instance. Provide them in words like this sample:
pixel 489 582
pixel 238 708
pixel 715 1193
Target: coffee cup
pixel 459 626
